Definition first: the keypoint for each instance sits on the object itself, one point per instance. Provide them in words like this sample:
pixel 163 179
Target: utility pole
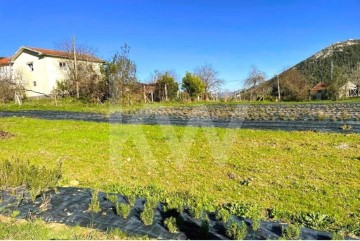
pixel 278 85
pixel 331 70
pixel 75 69
pixel 166 94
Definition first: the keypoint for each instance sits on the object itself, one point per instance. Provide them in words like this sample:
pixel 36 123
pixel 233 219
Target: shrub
pixel 8 90
pixel 291 232
pixel 94 205
pixel 236 231
pixel 36 179
pixel 195 211
pixel 170 224
pixel 175 202
pixel 223 215
pixel 147 215
pixel 123 209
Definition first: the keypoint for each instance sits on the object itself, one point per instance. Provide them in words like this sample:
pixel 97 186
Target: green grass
pixel 10 229
pixel 73 105
pixel 290 172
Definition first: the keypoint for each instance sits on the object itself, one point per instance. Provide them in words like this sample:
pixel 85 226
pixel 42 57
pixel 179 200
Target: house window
pixel 62 65
pixel 31 66
pixel 34 83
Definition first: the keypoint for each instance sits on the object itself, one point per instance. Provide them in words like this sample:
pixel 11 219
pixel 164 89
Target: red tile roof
pixel 320 86
pixel 64 54
pixel 5 61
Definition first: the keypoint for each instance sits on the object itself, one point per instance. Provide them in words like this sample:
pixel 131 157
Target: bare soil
pixel 5 135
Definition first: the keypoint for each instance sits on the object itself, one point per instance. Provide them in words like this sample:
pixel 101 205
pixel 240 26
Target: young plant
pixel 236 231
pixel 123 209
pixel 195 211
pixel 223 215
pixel 131 199
pixel 205 226
pixel 94 205
pixel 291 232
pixel 256 224
pixel 147 215
pixel 337 236
pixel 170 224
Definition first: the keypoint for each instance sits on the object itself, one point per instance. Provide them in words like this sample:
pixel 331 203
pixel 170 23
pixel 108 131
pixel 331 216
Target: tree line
pixel 116 81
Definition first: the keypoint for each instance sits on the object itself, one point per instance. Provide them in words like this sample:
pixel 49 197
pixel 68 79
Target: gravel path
pixel 345 126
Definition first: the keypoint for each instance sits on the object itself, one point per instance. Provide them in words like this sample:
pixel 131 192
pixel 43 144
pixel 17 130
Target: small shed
pixel 319 91
pixel 348 90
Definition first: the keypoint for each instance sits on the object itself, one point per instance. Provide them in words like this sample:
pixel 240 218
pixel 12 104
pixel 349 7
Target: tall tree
pixel 254 79
pixel 166 86
pixel 121 75
pixel 193 85
pixel 209 76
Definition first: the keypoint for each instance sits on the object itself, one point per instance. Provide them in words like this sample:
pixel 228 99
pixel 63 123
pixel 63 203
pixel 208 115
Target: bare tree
pixel 121 75
pixel 209 76
pixel 11 88
pixel 294 85
pixel 83 77
pixel 254 80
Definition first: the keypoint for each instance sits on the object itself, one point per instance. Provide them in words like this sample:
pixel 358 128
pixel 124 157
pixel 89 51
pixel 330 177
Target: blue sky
pixel 180 35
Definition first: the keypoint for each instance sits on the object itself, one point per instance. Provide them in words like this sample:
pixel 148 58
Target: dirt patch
pixel 5 135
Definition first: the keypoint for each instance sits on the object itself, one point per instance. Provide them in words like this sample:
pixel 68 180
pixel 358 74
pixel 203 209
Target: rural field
pixel 306 178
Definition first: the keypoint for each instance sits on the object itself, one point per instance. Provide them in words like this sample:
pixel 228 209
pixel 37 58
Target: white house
pixel 40 69
pixel 348 90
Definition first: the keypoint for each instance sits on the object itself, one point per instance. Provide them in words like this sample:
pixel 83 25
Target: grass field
pixel 12 229
pixel 69 104
pixel 290 172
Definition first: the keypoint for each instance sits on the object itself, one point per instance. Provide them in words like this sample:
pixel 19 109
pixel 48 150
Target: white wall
pixel 46 72
pixel 5 72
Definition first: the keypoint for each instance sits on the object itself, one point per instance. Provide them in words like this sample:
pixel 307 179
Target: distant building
pixel 40 69
pixel 348 90
pixel 319 91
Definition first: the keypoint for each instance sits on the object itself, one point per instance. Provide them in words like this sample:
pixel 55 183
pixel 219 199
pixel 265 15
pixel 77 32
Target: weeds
pixel 314 220
pixel 170 224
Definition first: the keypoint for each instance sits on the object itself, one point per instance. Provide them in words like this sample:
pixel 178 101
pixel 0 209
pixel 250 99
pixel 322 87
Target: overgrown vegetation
pixel 15 173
